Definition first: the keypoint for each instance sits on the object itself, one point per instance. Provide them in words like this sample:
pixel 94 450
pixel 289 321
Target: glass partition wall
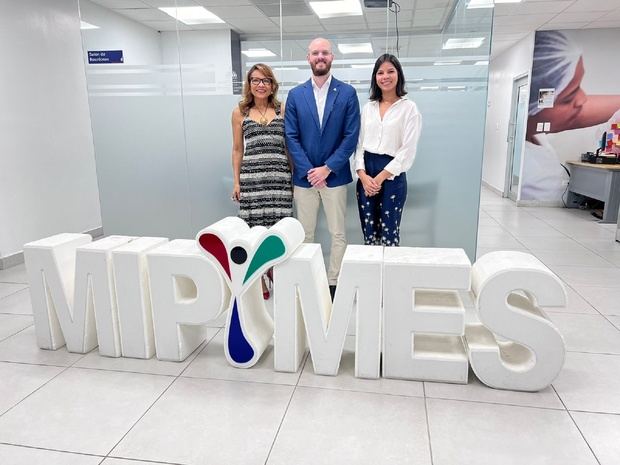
pixel 162 117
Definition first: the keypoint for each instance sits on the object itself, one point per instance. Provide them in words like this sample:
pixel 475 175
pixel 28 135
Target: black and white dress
pixel 265 178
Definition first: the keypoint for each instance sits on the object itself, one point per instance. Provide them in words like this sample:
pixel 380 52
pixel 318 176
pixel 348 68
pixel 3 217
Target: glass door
pixel 516 137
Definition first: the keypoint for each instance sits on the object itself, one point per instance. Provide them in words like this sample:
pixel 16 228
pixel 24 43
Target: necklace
pixel 263 119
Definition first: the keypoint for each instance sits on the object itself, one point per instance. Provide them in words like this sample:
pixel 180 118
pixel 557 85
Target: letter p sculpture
pixel 242 254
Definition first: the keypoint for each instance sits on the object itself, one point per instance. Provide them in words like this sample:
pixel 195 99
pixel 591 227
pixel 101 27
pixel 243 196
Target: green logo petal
pixel 271 248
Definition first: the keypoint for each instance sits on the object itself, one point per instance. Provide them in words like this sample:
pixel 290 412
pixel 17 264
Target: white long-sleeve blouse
pixel 396 135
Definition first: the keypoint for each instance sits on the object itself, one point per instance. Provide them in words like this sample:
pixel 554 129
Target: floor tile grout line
pixel 131 459
pixel 173 381
pixel 585 300
pixel 64 369
pixel 111 370
pixel 302 366
pixel 428 425
pixel 599 312
pixel 486 402
pixel 25 446
pixel 374 393
pixel 36 390
pixel 14 292
pixel 16 333
pixel 176 378
pixel 617 414
pixel 275 436
pixel 576 426
pixel 599 252
pixel 15 362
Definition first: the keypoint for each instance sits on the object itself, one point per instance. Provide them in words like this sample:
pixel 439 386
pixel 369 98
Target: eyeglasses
pixel 257 81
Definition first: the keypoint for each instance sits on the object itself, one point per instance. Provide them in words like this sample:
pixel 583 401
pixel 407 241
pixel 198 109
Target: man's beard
pixel 321 72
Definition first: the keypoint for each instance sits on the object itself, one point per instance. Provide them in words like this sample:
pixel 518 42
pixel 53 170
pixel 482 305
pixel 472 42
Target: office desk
pixel 601 182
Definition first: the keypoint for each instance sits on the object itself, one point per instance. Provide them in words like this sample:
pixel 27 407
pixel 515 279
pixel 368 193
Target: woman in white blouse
pixel 389 134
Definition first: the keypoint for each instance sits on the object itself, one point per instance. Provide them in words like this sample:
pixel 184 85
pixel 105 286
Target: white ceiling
pixel 514 21
pixel 258 20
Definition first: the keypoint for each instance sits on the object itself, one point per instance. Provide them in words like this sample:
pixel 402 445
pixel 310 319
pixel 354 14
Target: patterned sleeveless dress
pixel 265 177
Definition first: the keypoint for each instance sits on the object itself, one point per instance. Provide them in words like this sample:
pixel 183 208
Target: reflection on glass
pixel 161 118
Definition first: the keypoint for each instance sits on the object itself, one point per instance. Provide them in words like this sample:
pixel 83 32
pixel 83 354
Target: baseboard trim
pixel 492 188
pixel 18 257
pixel 539 203
pixel 11 260
pixel 96 233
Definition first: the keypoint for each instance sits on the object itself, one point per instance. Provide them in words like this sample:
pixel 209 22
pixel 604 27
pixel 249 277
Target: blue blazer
pixel 312 145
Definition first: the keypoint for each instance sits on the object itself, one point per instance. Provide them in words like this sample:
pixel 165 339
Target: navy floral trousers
pixel 380 214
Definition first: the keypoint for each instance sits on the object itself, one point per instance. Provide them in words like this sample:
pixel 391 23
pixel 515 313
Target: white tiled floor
pixel 60 408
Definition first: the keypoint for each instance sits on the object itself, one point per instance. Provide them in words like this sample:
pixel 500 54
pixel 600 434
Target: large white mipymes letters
pixel 136 297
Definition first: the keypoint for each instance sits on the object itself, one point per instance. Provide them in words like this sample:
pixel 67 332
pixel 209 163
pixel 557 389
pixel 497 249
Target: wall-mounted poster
pixel 574 98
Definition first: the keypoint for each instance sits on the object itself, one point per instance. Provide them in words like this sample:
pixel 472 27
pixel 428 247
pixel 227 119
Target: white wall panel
pixel 48 182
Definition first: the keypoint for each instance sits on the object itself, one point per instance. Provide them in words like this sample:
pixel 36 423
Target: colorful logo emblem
pixel 242 255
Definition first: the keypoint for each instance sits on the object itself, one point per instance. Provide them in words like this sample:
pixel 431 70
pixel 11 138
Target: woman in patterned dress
pixel 261 168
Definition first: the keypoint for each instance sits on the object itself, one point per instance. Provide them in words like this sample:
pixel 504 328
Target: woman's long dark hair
pixel 375 91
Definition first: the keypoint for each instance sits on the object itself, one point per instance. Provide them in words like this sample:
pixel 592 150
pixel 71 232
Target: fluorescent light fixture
pixel 85 25
pixel 335 8
pixel 365 47
pixel 363 66
pixel 482 63
pixel 429 87
pixel 192 15
pixel 446 63
pixel 480 4
pixel 456 87
pixel 508 1
pixel 258 53
pixel 286 68
pixel 455 43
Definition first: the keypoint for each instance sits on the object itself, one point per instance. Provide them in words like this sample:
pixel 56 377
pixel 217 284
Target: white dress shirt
pixel 396 135
pixel 320 96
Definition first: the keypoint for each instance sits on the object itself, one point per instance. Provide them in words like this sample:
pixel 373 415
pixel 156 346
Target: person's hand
pixel 236 193
pixel 369 184
pixel 317 176
pixel 382 176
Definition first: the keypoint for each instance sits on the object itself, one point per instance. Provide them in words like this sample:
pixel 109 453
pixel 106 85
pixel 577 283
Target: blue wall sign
pixel 105 56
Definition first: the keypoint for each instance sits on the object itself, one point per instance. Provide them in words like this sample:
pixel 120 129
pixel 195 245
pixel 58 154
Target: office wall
pixel 48 182
pixel 140 44
pixel 503 69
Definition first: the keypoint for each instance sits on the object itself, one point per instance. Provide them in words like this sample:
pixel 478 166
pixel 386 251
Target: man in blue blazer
pixel 322 123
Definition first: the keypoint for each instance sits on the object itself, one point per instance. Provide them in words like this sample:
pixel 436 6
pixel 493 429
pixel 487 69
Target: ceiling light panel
pixel 258 53
pixel 456 43
pixel 336 8
pixel 365 47
pixel 192 15
pixel 480 4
